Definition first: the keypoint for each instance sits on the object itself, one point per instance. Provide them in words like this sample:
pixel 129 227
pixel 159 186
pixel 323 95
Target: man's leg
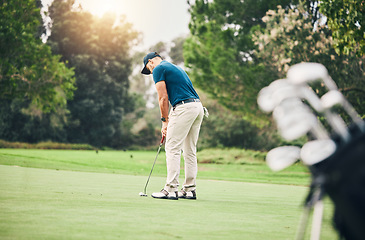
pixel 180 122
pixel 189 153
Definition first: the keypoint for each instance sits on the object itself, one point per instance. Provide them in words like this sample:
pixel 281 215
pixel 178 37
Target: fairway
pixel 140 162
pixel 55 204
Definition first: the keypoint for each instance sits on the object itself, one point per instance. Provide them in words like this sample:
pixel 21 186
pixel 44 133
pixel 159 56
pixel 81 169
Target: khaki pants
pixel 182 134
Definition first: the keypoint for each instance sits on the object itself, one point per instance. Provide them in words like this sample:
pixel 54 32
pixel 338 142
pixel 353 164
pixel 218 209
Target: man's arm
pixel 163 101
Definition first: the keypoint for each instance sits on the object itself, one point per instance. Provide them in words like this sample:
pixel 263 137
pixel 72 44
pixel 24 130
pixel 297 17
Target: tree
pixel 176 51
pixel 34 84
pixel 28 70
pixel 98 49
pixel 346 19
pixel 289 38
pixel 219 52
pixel 224 61
pixel 225 129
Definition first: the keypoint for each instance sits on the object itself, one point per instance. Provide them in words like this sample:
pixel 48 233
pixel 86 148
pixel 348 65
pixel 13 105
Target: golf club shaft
pixel 303 223
pixel 158 151
pixel 317 220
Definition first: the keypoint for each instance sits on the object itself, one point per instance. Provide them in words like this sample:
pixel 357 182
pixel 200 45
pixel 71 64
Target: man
pixel 181 127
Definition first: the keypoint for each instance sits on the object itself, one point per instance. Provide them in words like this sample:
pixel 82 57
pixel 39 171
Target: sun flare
pixel 99 8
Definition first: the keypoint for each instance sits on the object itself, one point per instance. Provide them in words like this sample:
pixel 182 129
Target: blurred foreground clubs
pixel 334 157
pixel 316 151
pixel 282 157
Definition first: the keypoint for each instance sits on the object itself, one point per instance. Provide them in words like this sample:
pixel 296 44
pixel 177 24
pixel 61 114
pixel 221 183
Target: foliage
pixel 231 156
pixel 28 70
pixel 289 38
pixel 176 51
pixel 45 145
pixel 225 129
pixel 18 125
pixel 219 53
pixel 98 49
pixel 346 19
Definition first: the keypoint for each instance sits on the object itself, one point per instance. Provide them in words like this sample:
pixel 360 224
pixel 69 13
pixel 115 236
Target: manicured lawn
pixel 96 197
pixel 140 163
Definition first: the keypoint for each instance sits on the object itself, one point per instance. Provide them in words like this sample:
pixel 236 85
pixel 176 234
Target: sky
pixel 157 20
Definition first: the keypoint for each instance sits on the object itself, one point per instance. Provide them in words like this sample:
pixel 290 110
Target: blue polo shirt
pixel 178 84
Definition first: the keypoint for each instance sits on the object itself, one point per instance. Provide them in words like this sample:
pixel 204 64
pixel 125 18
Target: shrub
pixel 46 145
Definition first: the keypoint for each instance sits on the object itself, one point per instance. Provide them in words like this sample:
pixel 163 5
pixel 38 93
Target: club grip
pixel 163 139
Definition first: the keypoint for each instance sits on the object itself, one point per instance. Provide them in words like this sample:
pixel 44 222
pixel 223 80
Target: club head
pixel 265 99
pixel 306 72
pixel 289 106
pixel 312 98
pixel 142 194
pixel 286 92
pixel 332 98
pixel 294 118
pixel 296 129
pixel 282 157
pixel 283 89
pixel 316 151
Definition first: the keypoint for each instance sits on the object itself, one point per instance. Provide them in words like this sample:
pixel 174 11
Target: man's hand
pixel 164 128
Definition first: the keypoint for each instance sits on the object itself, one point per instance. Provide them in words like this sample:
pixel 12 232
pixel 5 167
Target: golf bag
pixel 335 158
pixel 342 178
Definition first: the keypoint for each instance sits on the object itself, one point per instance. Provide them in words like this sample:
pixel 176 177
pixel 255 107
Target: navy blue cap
pixel 145 61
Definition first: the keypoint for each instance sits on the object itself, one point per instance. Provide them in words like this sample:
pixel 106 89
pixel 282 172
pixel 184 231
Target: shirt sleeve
pixel 159 74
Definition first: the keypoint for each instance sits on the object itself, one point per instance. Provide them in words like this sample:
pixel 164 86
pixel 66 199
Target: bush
pixel 46 145
pixel 231 156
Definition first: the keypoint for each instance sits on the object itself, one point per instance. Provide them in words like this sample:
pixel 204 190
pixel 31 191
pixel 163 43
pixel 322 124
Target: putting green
pixel 51 204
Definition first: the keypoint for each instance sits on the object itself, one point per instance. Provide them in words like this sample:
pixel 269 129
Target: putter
pixel 144 194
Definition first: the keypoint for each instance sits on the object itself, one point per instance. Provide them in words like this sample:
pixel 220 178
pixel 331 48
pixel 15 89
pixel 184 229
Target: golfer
pixel 181 127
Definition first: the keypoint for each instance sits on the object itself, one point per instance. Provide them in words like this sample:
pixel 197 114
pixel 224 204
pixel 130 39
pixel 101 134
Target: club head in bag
pixel 293 118
pixel 306 72
pixel 317 150
pixel 264 100
pixel 282 157
pixel 271 96
pixel 310 72
pixel 333 98
pixel 267 98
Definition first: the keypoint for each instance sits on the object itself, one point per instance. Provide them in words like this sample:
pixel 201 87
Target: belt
pixel 185 101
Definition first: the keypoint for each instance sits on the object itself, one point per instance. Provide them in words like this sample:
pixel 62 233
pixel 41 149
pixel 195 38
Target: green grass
pixel 99 199
pixel 241 168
